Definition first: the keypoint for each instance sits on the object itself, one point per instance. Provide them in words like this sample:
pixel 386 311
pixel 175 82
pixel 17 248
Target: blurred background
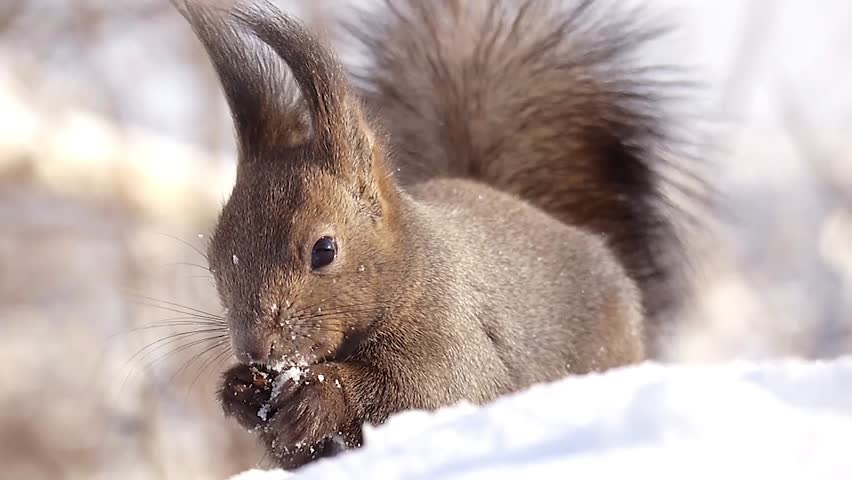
pixel 116 151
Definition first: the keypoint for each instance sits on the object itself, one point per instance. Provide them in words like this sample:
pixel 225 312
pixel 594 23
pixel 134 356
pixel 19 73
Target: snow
pixel 783 419
pixel 262 475
pixel 264 411
pixel 291 374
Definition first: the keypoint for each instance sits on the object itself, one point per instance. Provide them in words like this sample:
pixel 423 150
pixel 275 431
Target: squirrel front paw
pixel 245 394
pixel 301 414
pixel 311 419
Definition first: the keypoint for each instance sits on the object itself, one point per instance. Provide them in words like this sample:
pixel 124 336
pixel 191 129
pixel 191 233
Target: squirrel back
pixel 544 100
pixel 506 249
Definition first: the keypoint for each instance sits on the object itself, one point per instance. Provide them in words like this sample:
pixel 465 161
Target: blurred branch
pixel 78 154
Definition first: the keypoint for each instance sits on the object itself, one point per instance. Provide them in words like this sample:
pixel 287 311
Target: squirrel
pixel 478 210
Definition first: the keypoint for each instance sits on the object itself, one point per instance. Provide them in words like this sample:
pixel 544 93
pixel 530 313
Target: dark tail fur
pixel 539 99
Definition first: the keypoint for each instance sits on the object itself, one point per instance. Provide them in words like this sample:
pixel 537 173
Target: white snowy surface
pixel 784 420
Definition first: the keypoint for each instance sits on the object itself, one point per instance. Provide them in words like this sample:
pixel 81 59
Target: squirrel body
pixel 563 305
pixel 475 330
pixel 491 220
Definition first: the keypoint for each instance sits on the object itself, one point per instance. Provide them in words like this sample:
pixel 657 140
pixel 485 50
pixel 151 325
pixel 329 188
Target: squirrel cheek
pixel 311 344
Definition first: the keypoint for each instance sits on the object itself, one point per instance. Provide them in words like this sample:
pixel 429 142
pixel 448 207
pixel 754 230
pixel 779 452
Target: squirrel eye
pixel 324 252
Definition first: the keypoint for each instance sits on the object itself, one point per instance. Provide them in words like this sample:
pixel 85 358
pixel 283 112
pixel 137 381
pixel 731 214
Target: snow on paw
pixel 307 421
pixel 245 393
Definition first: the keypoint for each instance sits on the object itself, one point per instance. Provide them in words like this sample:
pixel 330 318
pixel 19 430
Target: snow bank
pixel 790 419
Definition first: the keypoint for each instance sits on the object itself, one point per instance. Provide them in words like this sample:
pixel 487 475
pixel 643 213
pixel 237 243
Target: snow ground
pixel 787 419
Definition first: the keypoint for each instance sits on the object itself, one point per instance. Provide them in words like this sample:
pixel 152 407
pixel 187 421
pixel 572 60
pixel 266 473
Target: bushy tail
pixel 537 98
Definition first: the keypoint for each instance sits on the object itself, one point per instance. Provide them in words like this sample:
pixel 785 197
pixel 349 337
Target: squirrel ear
pixel 265 105
pixel 247 43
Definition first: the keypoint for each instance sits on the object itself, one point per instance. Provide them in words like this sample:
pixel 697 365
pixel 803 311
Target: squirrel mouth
pixel 284 361
pixel 287 363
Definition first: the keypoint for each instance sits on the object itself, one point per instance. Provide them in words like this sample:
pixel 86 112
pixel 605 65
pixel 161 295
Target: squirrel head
pixel 306 239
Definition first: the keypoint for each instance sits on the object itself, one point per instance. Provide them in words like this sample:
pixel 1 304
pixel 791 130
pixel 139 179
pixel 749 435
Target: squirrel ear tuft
pixel 266 106
pixel 251 45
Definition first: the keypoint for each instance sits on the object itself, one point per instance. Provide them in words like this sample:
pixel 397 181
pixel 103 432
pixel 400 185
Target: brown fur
pixel 543 99
pixel 505 253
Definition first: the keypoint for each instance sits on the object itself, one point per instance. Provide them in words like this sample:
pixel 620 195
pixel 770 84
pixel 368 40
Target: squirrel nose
pixel 252 349
pixel 257 349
